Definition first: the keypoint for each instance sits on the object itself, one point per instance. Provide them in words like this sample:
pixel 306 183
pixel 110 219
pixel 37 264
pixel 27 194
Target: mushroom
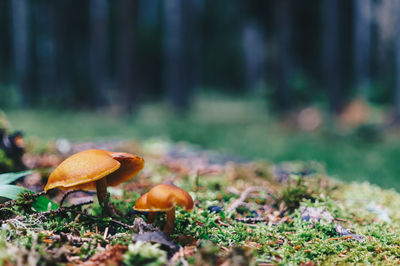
pixel 94 169
pixel 164 198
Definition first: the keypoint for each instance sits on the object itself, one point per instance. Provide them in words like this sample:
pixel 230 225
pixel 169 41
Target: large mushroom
pixel 164 198
pixel 94 169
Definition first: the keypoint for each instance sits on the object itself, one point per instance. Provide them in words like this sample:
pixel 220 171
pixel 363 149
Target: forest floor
pixel 243 128
pixel 246 212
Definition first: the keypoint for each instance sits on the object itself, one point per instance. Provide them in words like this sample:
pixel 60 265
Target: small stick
pixel 75 240
pixel 340 238
pixel 48 213
pixel 183 252
pixel 224 248
pixel 126 226
pixel 243 196
pixel 105 233
pixel 66 195
pixel 250 220
pixel 81 204
pixel 343 220
pixel 13 202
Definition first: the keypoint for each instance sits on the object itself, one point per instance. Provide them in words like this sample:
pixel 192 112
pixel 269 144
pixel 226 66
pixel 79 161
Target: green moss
pixel 293 195
pixel 141 253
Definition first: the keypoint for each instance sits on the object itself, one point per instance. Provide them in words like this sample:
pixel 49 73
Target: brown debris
pixel 308 263
pixel 111 256
pixel 343 253
pixel 252 245
pixel 182 253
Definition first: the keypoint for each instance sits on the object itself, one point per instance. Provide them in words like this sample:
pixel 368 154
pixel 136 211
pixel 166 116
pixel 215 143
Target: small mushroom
pixel 164 198
pixel 94 169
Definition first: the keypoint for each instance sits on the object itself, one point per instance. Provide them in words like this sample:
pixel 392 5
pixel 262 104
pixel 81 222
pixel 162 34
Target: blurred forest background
pixel 280 79
pixel 98 52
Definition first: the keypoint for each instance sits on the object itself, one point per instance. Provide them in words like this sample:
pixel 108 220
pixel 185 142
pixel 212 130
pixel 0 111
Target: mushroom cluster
pixel 164 198
pixel 95 169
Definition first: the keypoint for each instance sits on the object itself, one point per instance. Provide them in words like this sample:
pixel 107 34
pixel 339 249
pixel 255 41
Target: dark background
pixel 91 54
pixel 276 80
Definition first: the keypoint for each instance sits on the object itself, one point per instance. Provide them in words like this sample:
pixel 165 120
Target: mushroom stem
pixel 151 217
pixel 101 188
pixel 169 226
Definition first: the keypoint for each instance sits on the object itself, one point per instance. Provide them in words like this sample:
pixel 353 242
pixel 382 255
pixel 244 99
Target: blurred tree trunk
pixel 44 13
pixel 331 56
pixel 193 12
pixel 99 51
pixel 127 59
pixel 284 60
pixel 362 46
pixel 20 35
pixel 254 48
pixel 384 17
pixel 64 55
pixel 175 71
pixel 397 61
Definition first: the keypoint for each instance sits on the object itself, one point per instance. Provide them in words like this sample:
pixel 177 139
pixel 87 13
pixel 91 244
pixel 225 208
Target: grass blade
pixel 8 178
pixel 10 191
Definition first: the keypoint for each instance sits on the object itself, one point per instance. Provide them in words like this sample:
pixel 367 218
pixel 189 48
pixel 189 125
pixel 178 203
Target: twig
pixel 343 220
pixel 64 209
pixel 105 233
pixel 81 204
pixel 47 213
pixel 75 240
pixel 243 196
pixel 10 210
pixel 250 220
pixel 183 252
pixel 340 238
pixel 138 223
pixel 66 195
pixel 13 202
pixel 126 226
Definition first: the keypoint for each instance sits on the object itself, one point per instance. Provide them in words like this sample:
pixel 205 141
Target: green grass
pixel 242 128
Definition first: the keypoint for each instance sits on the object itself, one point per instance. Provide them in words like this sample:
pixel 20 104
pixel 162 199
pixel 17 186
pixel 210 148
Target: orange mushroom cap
pixel 163 198
pixel 83 169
